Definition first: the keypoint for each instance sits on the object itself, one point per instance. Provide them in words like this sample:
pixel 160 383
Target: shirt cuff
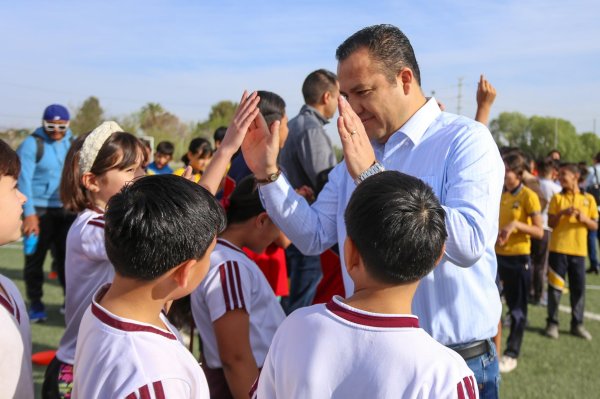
pixel 274 192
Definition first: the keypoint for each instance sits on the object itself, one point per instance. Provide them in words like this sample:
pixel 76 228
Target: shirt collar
pixel 417 125
pixel 516 190
pixel 362 317
pixel 307 109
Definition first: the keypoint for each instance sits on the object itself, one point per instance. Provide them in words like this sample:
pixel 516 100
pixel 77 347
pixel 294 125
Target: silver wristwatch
pixel 373 170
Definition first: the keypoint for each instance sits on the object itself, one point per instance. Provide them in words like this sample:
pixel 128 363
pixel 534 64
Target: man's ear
pixel 90 182
pixel 406 79
pixel 326 97
pixel 181 274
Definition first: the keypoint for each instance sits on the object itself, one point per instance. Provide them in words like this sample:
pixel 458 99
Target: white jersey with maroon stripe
pixel 86 269
pixel 123 358
pixel 234 281
pixel 15 344
pixel 336 351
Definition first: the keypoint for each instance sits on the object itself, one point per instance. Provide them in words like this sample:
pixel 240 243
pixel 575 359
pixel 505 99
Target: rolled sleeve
pixel 472 197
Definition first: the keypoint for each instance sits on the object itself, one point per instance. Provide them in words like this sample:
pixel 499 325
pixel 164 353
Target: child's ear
pixel 262 219
pixel 439 259
pixel 351 256
pixel 90 182
pixel 181 274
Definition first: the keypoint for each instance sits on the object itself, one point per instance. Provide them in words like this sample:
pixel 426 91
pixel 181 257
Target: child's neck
pixel 236 236
pixel 135 300
pixel 388 300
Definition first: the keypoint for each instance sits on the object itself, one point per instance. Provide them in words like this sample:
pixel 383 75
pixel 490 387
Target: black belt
pixel 473 349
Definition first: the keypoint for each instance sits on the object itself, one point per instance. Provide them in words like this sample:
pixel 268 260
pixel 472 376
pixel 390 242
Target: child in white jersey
pixel 15 332
pixel 160 232
pixel 234 308
pixel 370 345
pixel 98 165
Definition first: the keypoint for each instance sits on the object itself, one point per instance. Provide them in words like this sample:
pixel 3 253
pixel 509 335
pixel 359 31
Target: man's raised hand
pixel 358 151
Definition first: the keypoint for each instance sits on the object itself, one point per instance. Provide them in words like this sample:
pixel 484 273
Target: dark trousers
pixel 592 253
pixel 560 266
pixel 54 226
pixel 539 257
pixel 515 274
pixel 305 274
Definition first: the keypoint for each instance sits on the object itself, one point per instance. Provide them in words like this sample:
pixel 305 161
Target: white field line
pixel 587 315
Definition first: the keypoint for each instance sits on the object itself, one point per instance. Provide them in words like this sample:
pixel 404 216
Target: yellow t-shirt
pixel 569 237
pixel 196 176
pixel 520 205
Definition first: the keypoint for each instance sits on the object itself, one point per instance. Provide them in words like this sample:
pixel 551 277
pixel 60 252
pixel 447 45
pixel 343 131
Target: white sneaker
pixel 507 364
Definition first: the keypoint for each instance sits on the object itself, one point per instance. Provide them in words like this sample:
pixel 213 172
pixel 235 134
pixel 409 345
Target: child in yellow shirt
pixel 520 219
pixel 571 214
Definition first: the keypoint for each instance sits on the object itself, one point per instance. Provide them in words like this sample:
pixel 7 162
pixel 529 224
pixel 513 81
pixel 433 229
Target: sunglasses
pixel 62 127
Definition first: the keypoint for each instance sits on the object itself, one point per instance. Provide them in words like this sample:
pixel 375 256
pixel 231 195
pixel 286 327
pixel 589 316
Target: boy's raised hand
pixel 261 147
pixel 244 116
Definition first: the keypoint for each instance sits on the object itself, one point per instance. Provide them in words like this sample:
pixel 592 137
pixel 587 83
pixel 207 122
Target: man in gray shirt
pixel 306 158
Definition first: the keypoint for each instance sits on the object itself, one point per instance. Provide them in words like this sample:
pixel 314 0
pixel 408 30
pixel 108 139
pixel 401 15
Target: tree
pixel 88 116
pixel 510 129
pixel 220 114
pixel 590 142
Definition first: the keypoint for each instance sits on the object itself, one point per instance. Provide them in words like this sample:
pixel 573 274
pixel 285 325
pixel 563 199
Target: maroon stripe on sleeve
pixel 254 386
pixel 131 396
pixel 470 388
pixel 96 223
pixel 223 275
pixel 239 285
pixel 230 272
pixel 460 392
pixel 144 392
pixel 159 393
pixel 4 302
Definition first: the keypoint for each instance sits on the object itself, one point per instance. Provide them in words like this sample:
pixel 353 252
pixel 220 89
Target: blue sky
pixel 542 56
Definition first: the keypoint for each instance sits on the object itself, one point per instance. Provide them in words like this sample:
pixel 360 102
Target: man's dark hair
pixel 10 164
pixel 220 133
pixel 244 202
pixel 316 84
pixel 552 151
pixel 387 45
pixel 571 167
pixel 157 223
pixel 398 226
pixel 165 147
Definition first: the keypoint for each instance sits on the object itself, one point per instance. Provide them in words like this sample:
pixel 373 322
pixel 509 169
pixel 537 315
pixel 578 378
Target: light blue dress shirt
pixel 458 302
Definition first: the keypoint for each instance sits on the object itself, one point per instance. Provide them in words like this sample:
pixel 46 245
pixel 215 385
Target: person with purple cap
pixel 46 222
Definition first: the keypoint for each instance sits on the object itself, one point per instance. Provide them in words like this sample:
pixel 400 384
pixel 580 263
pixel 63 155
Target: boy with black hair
pixel 396 236
pixel 162 157
pixel 219 135
pixel 159 233
pixel 126 347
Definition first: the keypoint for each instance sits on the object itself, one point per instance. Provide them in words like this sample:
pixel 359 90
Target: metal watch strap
pixel 377 167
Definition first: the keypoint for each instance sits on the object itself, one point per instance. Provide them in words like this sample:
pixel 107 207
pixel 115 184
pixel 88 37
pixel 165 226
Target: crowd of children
pixel 194 247
pixel 535 241
pixel 140 244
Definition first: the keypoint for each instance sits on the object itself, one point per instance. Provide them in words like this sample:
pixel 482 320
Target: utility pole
pixel 594 125
pixel 459 97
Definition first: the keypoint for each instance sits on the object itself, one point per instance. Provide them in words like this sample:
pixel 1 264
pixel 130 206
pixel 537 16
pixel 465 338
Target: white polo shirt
pixel 87 268
pixel 15 344
pixel 123 358
pixel 234 281
pixel 336 351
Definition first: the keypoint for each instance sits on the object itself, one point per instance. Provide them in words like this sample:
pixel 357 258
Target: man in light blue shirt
pixel 386 122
